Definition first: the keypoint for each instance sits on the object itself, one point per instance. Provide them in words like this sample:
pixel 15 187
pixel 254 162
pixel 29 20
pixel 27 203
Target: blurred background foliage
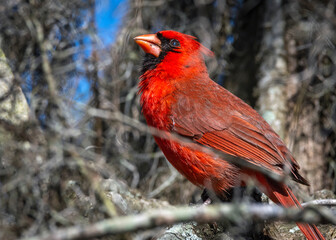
pixel 83 136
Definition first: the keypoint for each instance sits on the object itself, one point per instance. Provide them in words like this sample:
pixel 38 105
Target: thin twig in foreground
pixel 245 163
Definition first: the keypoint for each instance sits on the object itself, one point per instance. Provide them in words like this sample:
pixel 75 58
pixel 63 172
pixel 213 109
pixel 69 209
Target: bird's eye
pixel 174 43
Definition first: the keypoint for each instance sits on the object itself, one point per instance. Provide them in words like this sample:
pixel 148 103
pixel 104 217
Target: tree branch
pixel 43 45
pixel 202 214
pixel 321 202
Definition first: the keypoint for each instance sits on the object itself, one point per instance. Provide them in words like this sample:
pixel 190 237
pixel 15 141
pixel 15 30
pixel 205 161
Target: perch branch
pixel 321 202
pixel 202 214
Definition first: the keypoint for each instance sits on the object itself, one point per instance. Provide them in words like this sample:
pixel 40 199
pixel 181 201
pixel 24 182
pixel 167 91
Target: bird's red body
pixel 178 96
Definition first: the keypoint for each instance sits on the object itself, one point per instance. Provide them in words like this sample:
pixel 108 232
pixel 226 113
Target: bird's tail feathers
pixel 282 194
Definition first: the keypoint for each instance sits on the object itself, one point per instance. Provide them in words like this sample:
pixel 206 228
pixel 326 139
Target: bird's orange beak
pixel 150 43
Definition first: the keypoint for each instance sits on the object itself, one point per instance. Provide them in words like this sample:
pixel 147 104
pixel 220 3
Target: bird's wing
pixel 214 117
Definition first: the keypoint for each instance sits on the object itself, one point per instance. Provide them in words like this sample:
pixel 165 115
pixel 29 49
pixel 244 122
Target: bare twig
pixel 95 183
pixel 203 214
pixel 118 116
pixel 43 45
pixel 321 202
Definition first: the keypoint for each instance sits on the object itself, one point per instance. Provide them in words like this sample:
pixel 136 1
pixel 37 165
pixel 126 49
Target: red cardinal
pixel 178 96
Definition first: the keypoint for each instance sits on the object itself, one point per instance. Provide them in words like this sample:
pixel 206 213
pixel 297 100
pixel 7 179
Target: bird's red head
pixel 173 48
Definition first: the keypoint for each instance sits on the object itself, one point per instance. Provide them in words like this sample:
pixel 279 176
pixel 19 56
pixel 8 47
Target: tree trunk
pixel 309 40
pixel 273 69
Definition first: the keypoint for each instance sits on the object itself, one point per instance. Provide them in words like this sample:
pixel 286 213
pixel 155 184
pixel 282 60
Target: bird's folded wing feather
pixel 224 122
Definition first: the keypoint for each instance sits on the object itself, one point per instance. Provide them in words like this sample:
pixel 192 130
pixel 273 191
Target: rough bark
pixel 311 89
pixel 293 57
